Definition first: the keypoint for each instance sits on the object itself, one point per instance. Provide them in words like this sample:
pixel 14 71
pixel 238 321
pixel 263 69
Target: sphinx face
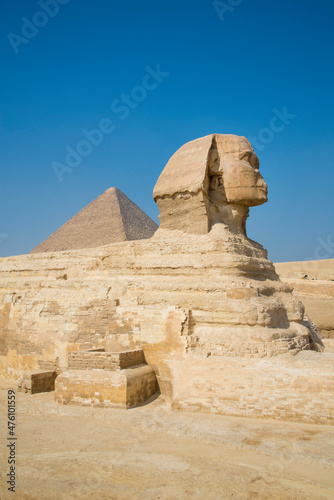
pixel 211 180
pixel 239 166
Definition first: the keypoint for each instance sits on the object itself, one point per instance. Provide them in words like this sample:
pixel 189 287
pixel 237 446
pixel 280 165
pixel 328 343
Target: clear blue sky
pixel 227 72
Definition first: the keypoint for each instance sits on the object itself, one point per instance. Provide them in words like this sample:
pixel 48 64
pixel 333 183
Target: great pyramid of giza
pixel 110 218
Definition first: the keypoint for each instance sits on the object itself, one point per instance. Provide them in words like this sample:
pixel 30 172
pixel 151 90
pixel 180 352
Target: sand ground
pixel 151 452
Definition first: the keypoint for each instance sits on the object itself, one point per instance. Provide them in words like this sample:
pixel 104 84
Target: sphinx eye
pixel 252 158
pixel 255 162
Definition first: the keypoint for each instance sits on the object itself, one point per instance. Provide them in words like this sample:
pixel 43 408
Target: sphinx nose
pixel 261 182
pixel 260 179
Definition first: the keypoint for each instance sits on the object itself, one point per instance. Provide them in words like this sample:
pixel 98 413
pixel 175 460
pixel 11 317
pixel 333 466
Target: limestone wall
pixel 298 388
pixel 316 292
pixel 320 269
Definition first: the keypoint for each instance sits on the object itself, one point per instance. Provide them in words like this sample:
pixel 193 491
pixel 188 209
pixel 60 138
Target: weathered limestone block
pixel 91 359
pixel 96 377
pixel 121 389
pixel 37 382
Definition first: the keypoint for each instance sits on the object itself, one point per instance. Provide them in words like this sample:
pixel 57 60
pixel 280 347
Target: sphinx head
pixel 212 180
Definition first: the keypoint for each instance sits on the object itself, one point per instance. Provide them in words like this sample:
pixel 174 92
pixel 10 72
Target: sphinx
pixel 207 188
pixel 219 329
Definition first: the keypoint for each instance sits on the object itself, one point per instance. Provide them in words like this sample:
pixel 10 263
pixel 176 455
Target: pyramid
pixel 110 218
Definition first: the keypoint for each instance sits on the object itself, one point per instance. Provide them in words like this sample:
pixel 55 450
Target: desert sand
pixel 151 452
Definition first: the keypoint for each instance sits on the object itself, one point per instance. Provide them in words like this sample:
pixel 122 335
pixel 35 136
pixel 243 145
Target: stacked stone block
pixel 37 382
pixel 117 379
pixel 99 359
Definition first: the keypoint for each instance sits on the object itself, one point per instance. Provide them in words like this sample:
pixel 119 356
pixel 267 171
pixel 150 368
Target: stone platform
pixel 98 378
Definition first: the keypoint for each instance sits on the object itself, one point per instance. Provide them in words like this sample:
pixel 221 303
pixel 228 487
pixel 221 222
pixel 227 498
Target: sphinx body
pixel 201 299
